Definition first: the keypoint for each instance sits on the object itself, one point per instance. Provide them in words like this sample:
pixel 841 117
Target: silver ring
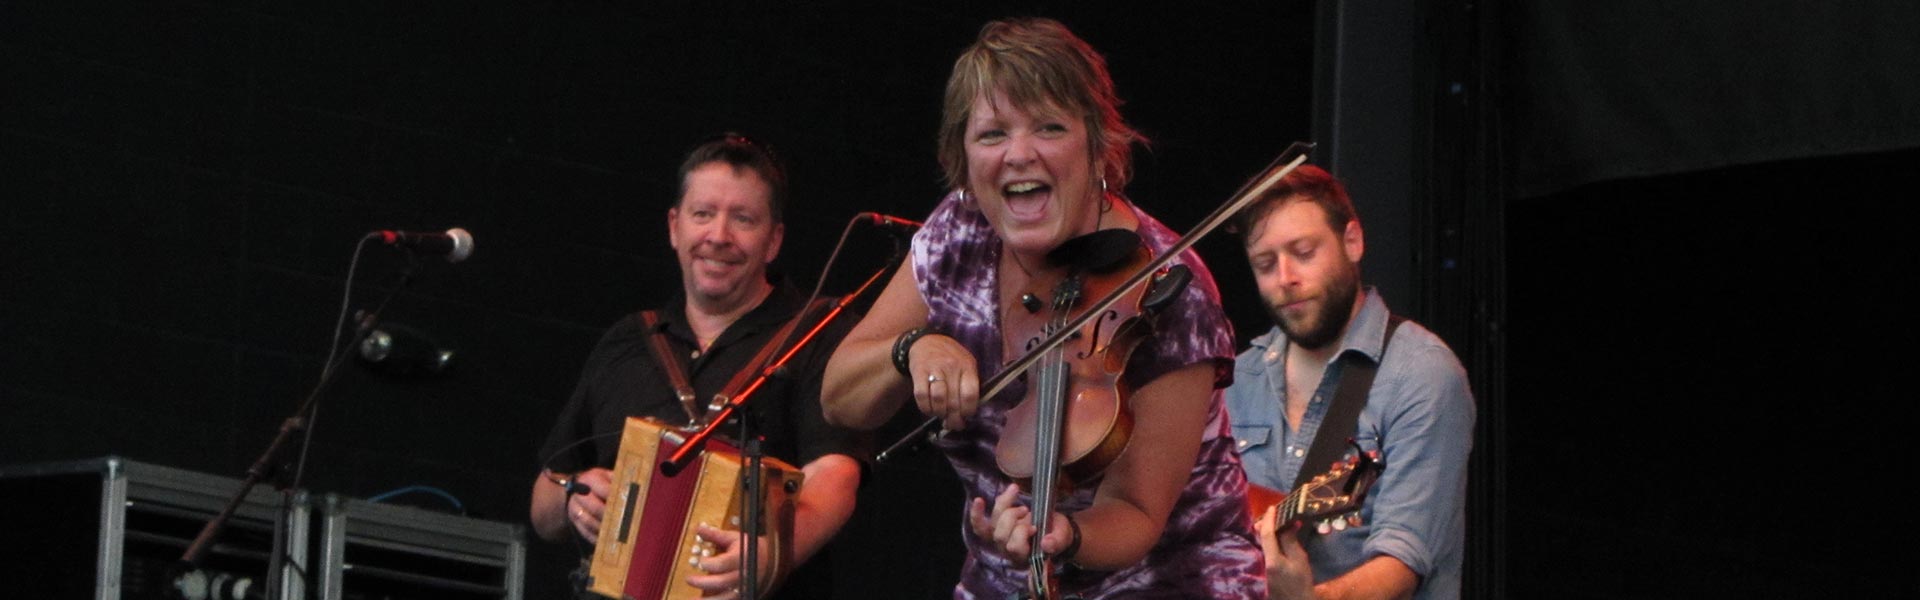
pixel 932 378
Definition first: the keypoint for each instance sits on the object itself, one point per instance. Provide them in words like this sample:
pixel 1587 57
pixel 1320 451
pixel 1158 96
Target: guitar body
pixel 1260 498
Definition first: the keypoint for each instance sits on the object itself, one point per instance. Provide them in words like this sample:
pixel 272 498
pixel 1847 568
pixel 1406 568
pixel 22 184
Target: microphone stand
pixel 750 478
pixel 264 465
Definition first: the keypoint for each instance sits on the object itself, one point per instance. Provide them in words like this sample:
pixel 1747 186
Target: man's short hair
pixel 740 152
pixel 1306 183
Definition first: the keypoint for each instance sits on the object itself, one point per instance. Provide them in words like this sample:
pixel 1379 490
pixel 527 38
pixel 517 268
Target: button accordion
pixel 648 544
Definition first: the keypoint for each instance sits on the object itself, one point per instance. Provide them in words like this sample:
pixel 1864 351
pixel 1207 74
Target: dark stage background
pixel 1695 212
pixel 184 183
pixel 1708 253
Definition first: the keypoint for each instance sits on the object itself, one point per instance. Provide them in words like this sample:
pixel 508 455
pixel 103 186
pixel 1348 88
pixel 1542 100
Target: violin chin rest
pixel 1098 252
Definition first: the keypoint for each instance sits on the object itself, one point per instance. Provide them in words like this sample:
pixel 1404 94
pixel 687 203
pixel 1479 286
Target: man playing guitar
pixel 1304 243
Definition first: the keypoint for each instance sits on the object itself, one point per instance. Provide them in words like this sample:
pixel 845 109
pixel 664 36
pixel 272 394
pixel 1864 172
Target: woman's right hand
pixel 946 380
pixel 861 388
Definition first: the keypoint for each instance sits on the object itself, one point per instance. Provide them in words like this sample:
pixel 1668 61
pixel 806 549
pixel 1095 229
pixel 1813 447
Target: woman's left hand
pixel 1010 526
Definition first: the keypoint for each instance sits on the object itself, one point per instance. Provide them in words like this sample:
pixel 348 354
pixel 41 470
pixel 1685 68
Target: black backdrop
pixel 1710 401
pixel 183 184
pixel 1637 88
pixel 1708 259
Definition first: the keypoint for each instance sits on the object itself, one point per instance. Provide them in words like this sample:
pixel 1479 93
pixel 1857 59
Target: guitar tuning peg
pixel 1323 528
pixel 1339 524
pixel 1353 519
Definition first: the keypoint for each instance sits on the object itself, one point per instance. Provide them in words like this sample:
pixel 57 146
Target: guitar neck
pixel 1290 508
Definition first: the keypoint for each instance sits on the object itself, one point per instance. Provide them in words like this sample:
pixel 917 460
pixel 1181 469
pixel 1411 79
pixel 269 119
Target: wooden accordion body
pixel 648 543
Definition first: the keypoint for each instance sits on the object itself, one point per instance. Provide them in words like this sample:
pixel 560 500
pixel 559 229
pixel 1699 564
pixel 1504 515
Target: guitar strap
pixel 1356 378
pixel 677 369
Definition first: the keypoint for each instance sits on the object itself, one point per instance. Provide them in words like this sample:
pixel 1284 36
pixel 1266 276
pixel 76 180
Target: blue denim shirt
pixel 1419 416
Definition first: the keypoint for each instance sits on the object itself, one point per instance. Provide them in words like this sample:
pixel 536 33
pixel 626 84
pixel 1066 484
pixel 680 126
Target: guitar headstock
pixel 1331 500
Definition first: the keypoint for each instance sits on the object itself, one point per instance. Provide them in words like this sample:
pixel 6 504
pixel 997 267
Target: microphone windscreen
pixel 462 244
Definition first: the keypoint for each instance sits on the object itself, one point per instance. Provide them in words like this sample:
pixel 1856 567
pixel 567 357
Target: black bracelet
pixel 1073 546
pixel 902 345
pixel 570 484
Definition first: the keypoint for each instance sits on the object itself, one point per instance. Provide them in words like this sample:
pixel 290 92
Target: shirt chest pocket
pixel 1251 438
pixel 1259 454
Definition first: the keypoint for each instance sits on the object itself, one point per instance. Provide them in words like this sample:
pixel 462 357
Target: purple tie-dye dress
pixel 1207 549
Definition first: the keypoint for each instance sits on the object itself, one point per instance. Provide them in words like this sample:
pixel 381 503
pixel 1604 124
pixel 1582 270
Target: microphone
pixel 456 243
pixel 892 224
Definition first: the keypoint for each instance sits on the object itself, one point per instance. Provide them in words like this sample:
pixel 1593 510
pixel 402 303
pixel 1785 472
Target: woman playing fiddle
pixel 1036 153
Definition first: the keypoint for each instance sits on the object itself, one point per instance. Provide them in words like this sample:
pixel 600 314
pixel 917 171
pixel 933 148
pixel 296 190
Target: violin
pixel 1046 449
pixel 1074 419
pixel 1077 400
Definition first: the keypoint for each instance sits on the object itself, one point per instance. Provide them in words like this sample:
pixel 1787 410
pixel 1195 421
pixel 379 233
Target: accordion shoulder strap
pixel 670 362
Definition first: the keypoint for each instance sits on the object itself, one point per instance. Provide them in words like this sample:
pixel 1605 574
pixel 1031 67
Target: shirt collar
pixel 774 311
